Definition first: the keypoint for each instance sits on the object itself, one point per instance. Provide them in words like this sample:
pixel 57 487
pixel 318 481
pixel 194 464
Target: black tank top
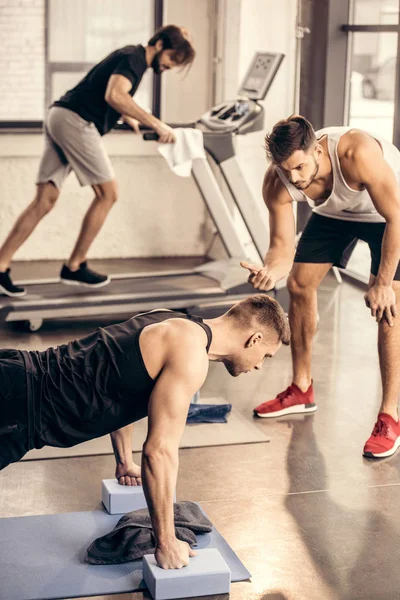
pixel 92 386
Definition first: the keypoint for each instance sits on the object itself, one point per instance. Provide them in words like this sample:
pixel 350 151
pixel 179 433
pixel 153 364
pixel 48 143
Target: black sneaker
pixel 83 276
pixel 8 288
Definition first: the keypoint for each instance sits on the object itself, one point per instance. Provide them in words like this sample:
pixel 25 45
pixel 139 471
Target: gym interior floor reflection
pixel 307 514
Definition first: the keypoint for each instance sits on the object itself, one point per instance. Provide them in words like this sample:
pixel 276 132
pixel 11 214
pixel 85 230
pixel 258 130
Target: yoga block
pixel 120 499
pixel 206 575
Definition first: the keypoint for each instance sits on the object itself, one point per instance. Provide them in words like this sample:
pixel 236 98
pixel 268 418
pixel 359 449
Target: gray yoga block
pixel 207 574
pixel 121 499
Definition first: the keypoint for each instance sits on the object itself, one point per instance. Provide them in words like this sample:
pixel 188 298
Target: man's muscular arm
pixel 127 472
pixel 117 95
pixel 279 258
pixel 363 162
pixel 182 375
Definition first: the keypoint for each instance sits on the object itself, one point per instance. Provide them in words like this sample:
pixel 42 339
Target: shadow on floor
pixel 352 548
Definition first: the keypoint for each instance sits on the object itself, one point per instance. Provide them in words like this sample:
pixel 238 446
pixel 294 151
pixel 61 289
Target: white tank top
pixel 345 203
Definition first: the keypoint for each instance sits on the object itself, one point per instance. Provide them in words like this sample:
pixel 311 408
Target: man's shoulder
pixel 184 344
pixel 271 178
pixel 186 330
pixel 274 189
pixel 354 142
pixel 134 51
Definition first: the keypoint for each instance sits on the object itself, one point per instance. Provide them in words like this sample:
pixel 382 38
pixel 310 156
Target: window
pixel 374 12
pixel 49 45
pixel 373 82
pixel 373 31
pixel 83 32
pixel 373 60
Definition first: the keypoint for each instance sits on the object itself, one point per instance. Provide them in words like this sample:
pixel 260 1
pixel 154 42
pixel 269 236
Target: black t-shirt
pixel 94 385
pixel 87 98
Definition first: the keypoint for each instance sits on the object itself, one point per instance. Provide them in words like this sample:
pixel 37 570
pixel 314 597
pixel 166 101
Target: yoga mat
pixel 41 558
pixel 238 430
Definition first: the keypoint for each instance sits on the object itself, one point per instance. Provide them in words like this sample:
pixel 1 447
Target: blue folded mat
pixel 208 413
pixel 41 558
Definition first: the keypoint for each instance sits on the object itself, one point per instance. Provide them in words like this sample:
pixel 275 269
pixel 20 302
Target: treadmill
pixel 241 224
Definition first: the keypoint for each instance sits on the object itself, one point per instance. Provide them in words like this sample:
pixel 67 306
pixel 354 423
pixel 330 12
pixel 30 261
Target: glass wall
pixel 374 12
pixel 373 59
pixel 371 75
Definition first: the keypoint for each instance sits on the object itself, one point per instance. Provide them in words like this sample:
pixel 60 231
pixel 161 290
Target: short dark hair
pixel 175 38
pixel 287 136
pixel 266 311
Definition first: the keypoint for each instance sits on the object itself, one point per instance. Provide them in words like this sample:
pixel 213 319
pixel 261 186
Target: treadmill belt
pixel 56 299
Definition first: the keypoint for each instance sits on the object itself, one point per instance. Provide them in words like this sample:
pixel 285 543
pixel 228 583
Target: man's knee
pixel 106 192
pixel 46 197
pixel 305 278
pixel 301 284
pixel 296 285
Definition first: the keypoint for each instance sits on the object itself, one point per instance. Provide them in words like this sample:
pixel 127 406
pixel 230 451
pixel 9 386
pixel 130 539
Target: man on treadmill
pixel 150 365
pixel 74 127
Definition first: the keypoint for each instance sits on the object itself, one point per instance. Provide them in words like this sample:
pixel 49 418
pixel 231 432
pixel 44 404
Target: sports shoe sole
pixel 89 285
pixel 396 446
pixel 290 410
pixel 12 294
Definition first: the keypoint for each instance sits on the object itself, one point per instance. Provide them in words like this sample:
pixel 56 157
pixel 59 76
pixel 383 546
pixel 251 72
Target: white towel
pixel 180 154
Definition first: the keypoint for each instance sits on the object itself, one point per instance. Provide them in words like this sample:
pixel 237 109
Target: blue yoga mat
pixel 41 558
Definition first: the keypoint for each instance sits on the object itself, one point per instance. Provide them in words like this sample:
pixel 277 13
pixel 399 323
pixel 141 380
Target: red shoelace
pixel 381 428
pixel 285 395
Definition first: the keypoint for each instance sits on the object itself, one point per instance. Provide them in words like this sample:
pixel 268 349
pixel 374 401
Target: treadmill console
pixel 260 75
pixel 245 114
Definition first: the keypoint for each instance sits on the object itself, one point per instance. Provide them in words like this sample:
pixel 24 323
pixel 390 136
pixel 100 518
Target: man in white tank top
pixel 351 181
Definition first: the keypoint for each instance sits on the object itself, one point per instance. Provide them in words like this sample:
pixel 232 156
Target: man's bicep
pixel 118 83
pixel 380 181
pixel 169 402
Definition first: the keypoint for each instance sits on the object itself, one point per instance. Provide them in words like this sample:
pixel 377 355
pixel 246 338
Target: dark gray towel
pixel 133 536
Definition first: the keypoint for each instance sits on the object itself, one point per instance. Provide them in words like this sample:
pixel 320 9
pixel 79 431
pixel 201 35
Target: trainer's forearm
pixel 122 444
pixel 125 105
pixel 279 260
pixel 390 255
pixel 159 475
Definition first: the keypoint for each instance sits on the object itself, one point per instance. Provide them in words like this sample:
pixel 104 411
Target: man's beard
pixel 232 368
pixel 301 185
pixel 155 63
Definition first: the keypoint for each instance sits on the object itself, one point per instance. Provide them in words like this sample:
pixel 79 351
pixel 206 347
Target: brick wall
pixel 22 60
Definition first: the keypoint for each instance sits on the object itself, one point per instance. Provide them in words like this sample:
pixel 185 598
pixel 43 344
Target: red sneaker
pixel 292 400
pixel 385 438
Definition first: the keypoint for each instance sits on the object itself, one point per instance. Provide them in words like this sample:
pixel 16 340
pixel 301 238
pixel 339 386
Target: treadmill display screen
pixel 260 75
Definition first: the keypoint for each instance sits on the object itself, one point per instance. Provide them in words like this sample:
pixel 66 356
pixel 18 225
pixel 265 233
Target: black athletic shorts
pixel 14 434
pixel 328 240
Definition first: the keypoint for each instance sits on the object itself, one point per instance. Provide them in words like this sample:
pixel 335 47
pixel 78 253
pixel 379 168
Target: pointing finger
pixel 250 266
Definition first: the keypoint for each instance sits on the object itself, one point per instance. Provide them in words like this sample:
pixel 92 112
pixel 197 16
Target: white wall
pixel 157 213
pixel 21 59
pixel 260 25
pixel 187 95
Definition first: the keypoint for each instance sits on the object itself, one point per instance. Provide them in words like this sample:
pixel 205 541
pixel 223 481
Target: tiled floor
pixel 310 518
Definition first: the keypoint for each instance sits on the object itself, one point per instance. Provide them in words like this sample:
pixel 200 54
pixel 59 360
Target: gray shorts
pixel 73 144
